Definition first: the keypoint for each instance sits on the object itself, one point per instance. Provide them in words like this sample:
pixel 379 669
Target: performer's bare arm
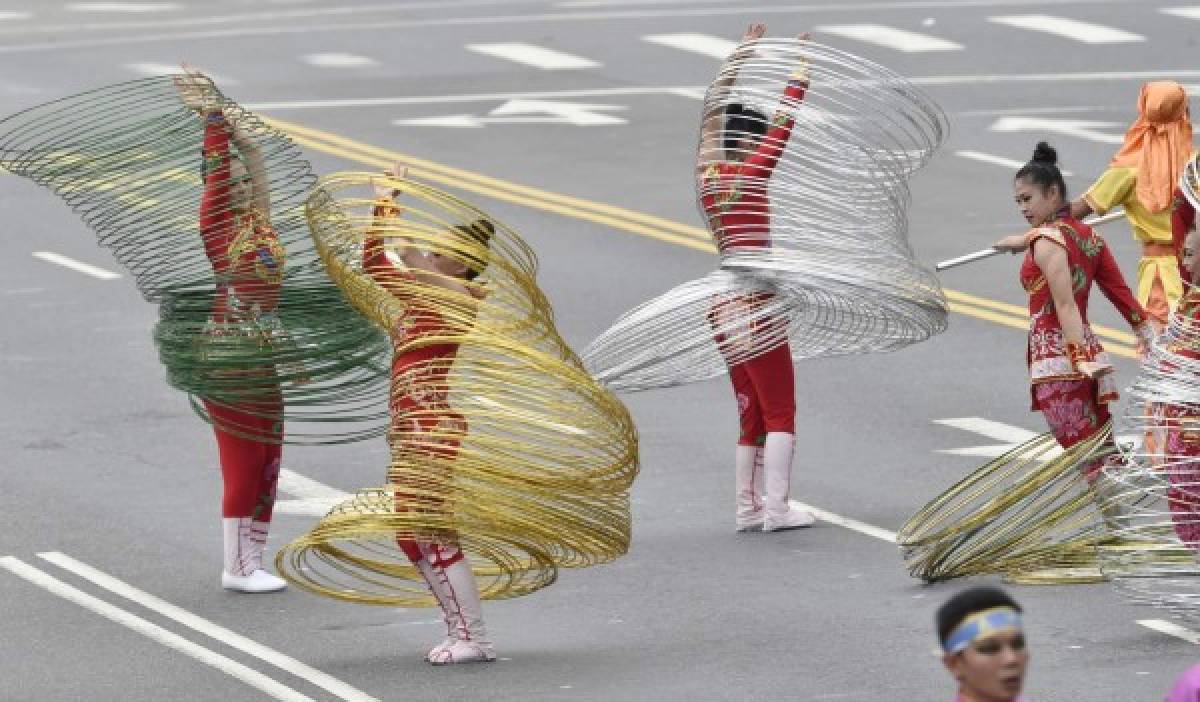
pixel 1052 260
pixel 713 124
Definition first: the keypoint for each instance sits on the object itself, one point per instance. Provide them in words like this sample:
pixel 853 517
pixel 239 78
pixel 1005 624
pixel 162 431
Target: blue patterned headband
pixel 979 625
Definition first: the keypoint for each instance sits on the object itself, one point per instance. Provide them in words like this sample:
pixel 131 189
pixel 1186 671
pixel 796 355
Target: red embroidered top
pixel 244 249
pixel 734 195
pixel 419 369
pixel 1090 261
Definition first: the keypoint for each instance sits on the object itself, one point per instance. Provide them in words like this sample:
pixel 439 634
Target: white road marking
pixel 890 37
pixel 847 522
pixel 1085 32
pixel 1192 12
pixel 59 259
pixel 339 60
pixel 129 7
pixel 989 428
pixel 536 56
pixel 632 3
pixel 684 90
pixel 1171 629
pixel 1010 163
pixel 149 68
pixel 706 44
pixel 209 629
pixel 313 499
pixel 1079 128
pixel 525 112
pixel 6 16
pixel 249 676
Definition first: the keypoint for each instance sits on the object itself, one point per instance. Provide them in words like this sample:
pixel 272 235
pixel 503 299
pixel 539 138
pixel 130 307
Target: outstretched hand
pixel 196 90
pixel 1094 369
pixel 387 191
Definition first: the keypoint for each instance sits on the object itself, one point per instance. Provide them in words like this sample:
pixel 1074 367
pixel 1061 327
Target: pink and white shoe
pixel 463 652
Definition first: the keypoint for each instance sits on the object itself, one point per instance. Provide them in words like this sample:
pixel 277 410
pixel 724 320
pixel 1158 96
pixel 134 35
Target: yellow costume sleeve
pixel 1113 188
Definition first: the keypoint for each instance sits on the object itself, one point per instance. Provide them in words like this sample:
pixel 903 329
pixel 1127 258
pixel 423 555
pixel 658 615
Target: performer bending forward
pixel 738 154
pixel 248 261
pixel 1069 372
pixel 420 408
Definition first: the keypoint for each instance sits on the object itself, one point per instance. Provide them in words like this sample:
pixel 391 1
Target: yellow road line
pixel 666 230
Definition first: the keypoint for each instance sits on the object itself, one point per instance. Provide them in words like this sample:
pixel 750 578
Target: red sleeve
pixel 1183 221
pixel 1112 284
pixel 762 162
pixel 375 261
pixel 214 205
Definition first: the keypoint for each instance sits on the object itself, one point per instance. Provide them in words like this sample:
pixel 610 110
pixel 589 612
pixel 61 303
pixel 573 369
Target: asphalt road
pixel 103 462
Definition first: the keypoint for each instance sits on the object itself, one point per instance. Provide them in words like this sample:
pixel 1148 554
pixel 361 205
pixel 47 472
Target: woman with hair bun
pixel 1070 376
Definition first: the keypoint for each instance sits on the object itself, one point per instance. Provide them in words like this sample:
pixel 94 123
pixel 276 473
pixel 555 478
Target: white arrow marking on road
pixel 1080 128
pixel 520 111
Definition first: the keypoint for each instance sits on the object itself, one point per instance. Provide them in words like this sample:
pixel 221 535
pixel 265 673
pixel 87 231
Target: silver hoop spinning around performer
pixel 835 275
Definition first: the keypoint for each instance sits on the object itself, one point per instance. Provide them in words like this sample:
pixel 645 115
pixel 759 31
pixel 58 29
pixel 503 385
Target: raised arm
pixel 762 162
pixel 712 126
pixel 384 214
pixel 199 94
pixel 256 167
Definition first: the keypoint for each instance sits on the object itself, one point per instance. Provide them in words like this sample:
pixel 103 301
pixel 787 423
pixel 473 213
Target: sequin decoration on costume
pixel 501 443
pixel 246 311
pixel 810 217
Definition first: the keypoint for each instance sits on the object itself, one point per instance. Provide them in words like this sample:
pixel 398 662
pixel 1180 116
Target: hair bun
pixel 1044 153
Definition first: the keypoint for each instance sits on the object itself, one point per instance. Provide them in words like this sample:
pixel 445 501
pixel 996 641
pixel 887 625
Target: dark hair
pixel 968 602
pixel 740 122
pixel 1042 169
pixel 480 231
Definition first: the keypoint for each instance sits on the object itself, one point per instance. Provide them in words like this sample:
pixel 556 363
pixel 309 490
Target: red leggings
pixel 249 466
pixel 432 438
pixel 765 388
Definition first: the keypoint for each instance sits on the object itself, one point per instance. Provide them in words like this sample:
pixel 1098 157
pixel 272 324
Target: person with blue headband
pixel 983 645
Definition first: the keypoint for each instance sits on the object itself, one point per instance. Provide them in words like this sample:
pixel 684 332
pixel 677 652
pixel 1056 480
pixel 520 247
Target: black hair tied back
pixel 1042 170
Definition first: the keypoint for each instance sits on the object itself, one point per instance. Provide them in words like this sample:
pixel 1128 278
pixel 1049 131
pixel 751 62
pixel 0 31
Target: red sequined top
pixel 734 195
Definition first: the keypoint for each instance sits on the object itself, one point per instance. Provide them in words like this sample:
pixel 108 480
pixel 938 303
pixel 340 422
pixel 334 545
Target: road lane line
pixel 535 56
pixel 847 522
pixel 59 259
pixel 982 157
pixel 338 60
pixel 1171 629
pixel 991 429
pixel 889 37
pixel 9 16
pixel 215 631
pixel 313 499
pixel 1192 12
pixel 704 44
pixel 1076 30
pixel 249 676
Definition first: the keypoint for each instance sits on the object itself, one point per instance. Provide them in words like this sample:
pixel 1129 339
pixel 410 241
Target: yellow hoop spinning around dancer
pixel 510 450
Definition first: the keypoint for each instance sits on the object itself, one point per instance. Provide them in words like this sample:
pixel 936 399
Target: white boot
pixel 777 467
pixel 441 594
pixel 245 541
pixel 748 481
pixel 464 612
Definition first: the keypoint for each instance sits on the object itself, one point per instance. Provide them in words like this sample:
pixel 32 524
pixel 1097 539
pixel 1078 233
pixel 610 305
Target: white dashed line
pixel 705 44
pixel 129 7
pixel 59 259
pixel 1192 12
pixel 848 523
pixel 209 629
pixel 7 16
pixel 148 68
pixel 152 631
pixel 890 37
pixel 996 160
pixel 1171 629
pixel 337 60
pixel 536 56
pixel 1085 32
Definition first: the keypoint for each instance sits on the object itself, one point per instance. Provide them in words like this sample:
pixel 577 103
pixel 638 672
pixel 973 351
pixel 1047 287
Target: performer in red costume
pixel 1071 381
pixel 738 154
pixel 423 422
pixel 248 261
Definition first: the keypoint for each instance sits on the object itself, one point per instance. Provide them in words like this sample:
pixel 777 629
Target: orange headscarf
pixel 1159 143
